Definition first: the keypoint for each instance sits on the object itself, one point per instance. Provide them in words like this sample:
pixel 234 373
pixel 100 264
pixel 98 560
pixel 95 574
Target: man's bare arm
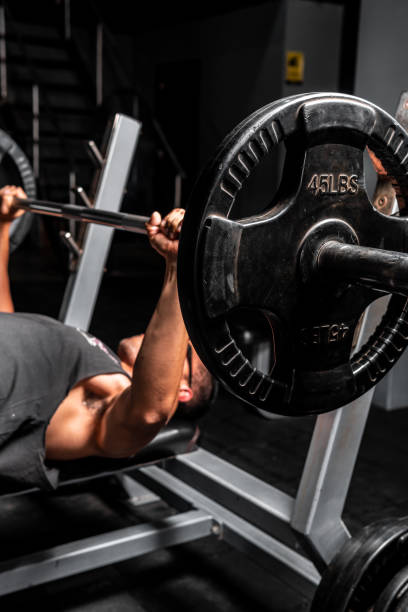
pixel 138 413
pixel 7 215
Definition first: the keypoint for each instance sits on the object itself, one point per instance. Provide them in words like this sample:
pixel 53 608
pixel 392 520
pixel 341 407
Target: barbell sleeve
pixel 375 268
pixel 118 220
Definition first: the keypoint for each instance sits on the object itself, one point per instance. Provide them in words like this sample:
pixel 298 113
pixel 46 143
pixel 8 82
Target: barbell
pixel 311 261
pixel 323 253
pixel 117 220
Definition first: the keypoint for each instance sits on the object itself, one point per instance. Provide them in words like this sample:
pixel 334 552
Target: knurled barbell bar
pixel 118 220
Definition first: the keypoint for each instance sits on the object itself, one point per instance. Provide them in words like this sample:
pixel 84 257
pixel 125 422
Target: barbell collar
pixel 376 268
pixel 117 220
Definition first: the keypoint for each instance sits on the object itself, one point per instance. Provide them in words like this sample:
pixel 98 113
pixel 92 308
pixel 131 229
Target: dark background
pixel 189 74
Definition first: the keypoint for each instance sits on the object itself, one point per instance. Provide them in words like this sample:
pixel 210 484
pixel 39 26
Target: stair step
pixel 25 81
pixel 57 194
pixel 34 29
pixel 71 136
pixel 59 177
pixel 45 77
pixel 60 161
pixel 52 63
pixel 63 187
pixel 67 125
pixel 53 181
pixel 57 110
pixel 71 131
pixel 56 42
pixel 53 147
pixel 35 52
pixel 50 139
pixel 22 93
pixel 63 101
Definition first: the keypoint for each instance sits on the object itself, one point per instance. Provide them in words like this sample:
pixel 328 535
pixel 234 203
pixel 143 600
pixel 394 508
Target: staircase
pixel 50 108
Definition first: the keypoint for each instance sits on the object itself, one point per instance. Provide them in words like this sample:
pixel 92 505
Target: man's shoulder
pixel 29 317
pixel 103 385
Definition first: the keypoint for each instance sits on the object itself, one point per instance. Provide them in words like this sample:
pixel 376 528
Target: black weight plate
pixel 392 597
pixel 360 572
pixel 15 169
pixel 401 603
pixel 227 264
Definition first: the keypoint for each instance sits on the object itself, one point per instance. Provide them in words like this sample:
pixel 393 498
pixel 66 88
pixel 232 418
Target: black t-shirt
pixel 40 361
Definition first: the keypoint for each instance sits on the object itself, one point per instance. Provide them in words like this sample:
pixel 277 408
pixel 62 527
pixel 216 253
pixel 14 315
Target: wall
pixel 382 66
pixel 241 58
pixel 381 76
pixel 241 64
pixel 315 29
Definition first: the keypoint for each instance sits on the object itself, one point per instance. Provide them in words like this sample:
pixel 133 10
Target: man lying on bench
pixel 64 395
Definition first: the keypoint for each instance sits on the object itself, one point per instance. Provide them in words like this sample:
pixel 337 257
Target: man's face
pixel 128 350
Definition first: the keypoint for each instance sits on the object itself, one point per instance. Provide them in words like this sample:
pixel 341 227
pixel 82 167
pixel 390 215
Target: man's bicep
pixel 125 427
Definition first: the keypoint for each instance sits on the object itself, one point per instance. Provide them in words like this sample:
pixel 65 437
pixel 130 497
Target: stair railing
pixel 34 77
pixel 107 49
pixel 3 55
pixel 36 129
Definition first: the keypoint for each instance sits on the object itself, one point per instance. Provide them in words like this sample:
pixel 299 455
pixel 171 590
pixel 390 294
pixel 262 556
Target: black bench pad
pixel 178 437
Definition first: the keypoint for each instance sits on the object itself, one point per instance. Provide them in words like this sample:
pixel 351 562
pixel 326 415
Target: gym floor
pixel 208 574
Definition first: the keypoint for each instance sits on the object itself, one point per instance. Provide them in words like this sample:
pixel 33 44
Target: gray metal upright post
pixel 330 464
pixel 83 286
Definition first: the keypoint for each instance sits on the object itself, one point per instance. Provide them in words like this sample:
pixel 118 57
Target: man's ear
pixel 185 394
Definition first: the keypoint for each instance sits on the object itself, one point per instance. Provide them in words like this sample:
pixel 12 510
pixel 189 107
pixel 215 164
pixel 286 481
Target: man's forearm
pixel 163 350
pixel 141 411
pixel 6 302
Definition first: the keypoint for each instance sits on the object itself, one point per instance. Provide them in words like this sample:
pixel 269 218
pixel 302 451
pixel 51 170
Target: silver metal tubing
pixel 36 130
pixel 118 220
pixel 84 196
pixel 99 64
pixel 83 284
pixel 376 268
pixel 71 244
pixel 102 550
pixel 67 19
pixel 95 154
pixel 281 560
